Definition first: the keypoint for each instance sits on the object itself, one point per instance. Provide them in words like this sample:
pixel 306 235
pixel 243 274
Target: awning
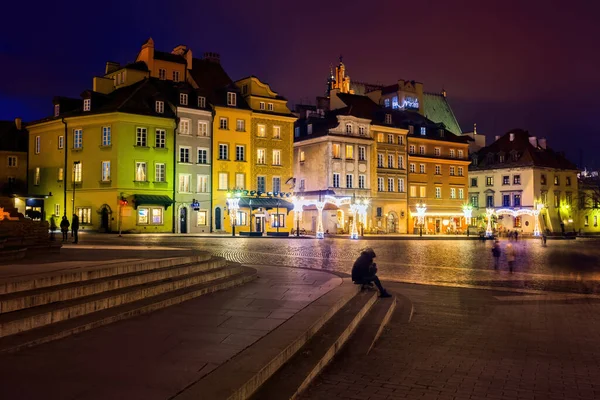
pixel 265 202
pixel 152 200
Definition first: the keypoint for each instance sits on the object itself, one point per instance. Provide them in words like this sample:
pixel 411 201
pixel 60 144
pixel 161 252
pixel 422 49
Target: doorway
pixel 183 220
pixel 105 213
pixel 438 225
pixel 218 218
pixel 260 223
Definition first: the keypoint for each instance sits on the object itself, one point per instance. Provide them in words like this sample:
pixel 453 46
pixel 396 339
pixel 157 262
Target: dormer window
pixel 309 129
pixel 490 158
pixel 361 130
pixel 441 133
pixel 87 103
pixel 388 118
pixel 231 99
pixel 159 107
pixel 515 156
pixel 349 129
pixel 201 102
pixel 423 131
pixel 56 110
pixel 175 76
pixel 183 99
pixel 411 130
pixel 386 103
pixel 501 158
pixel 475 160
pixel 261 105
pixel 270 107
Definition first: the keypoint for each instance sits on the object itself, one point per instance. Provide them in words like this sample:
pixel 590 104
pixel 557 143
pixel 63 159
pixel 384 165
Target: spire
pixel 475 128
pixel 341 59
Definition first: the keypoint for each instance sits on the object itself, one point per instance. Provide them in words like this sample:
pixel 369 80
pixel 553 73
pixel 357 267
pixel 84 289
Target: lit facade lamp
pixel 488 231
pixel 421 210
pixel 233 205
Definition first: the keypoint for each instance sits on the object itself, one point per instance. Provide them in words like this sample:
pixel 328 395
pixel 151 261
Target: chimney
pixel 542 143
pixel 111 67
pixel 496 137
pixel 180 50
pixel 533 141
pixel 212 57
pixel 18 123
pixel 512 137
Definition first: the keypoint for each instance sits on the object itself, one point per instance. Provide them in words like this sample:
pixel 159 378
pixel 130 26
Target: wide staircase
pixel 39 308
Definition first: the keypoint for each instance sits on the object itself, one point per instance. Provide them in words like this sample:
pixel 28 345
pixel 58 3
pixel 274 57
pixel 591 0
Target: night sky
pixel 505 64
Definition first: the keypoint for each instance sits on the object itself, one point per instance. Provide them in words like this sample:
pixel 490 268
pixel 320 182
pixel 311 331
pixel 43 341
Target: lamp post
pixel 233 204
pixel 320 233
pixel 468 213
pixel 488 231
pixel 536 219
pixel 421 209
pixel 298 203
pixel 75 164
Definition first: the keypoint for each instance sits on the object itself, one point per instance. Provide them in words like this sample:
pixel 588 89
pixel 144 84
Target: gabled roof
pixel 11 138
pixel 518 152
pixel 163 55
pixel 437 109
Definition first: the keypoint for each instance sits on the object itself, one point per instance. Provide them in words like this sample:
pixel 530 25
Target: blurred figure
pixel 64 228
pixel 75 228
pixel 496 253
pixel 364 272
pixel 52 227
pixel 510 256
pixel 544 238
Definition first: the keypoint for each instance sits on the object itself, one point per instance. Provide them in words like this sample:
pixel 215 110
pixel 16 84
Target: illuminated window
pixel 556 180
pixel 202 184
pixel 349 152
pixel 422 168
pixel 84 214
pixel 36 176
pixel 380 160
pixel 202 218
pixel 185 183
pixel 390 161
pixel 422 191
pixel 362 153
pixel 460 171
pixel 423 131
pixel 105 171
pixel 401 162
pixel 460 154
pixel 335 150
pixel 413 191
pixel 412 167
pixel 400 139
pixel 223 178
pixel 240 125
pixel 77 139
pixel 77 172
pixel 437 151
pixel 157 216
pixel 276 157
pixel 453 193
pixel 461 193
pixel 270 107
pixel 278 220
pixel 438 192
pixel 401 187
pixel 184 127
pixel 61 174
pixel 140 171
pixel 261 156
pixel 241 218
pixel 438 169
pixel 390 187
pixel 202 128
pixel 276 132
pixel 302 156
pixel 380 138
pixel 201 102
pixel 390 139
pixel 489 181
pixel 261 131
pixel 106 136
pixel 56 110
pixel 87 103
pixel 361 181
pixel 411 149
pixel 452 153
pixel 452 171
pixel 240 181
pixel 380 184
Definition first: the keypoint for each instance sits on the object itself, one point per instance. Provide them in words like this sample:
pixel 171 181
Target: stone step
pixel 309 361
pixel 50 294
pixel 86 322
pixel 23 283
pixel 36 317
pixel 241 376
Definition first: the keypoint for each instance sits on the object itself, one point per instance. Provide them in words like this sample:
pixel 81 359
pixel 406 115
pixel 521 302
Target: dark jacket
pixel 64 225
pixel 363 267
pixel 75 224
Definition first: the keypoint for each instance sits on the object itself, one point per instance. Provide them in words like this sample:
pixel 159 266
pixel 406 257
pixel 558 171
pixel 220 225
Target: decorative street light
pixel 298 203
pixel 536 219
pixel 421 209
pixel 320 233
pixel 468 213
pixel 233 205
pixel 488 231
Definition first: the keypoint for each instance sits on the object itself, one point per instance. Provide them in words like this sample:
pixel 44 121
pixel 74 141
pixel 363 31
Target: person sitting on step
pixel 364 272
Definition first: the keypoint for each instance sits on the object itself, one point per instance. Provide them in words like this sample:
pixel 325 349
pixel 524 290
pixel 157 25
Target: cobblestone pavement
pixel 561 266
pixel 477 345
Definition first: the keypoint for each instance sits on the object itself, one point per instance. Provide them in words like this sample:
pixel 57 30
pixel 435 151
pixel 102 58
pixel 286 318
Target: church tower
pixel 340 80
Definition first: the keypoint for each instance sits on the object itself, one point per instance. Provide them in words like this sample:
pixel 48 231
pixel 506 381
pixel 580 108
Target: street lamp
pixel 488 231
pixel 536 218
pixel 298 203
pixel 421 209
pixel 233 205
pixel 75 179
pixel 468 213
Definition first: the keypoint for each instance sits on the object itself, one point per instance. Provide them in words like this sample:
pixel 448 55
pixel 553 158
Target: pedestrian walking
pixel 544 238
pixel 496 253
pixel 510 256
pixel 75 228
pixel 364 272
pixel 52 227
pixel 516 235
pixel 64 228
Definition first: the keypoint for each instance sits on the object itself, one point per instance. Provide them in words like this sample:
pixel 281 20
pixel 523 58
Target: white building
pixel 517 176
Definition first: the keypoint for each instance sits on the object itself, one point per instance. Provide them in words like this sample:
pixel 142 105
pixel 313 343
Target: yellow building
pixel 389 204
pixel 102 150
pixel 437 177
pixel 272 142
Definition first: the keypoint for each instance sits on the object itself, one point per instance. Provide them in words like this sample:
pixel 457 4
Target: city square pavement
pixel 469 344
pixel 155 356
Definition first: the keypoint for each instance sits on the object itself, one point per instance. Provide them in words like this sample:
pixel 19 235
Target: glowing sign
pixel 410 103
